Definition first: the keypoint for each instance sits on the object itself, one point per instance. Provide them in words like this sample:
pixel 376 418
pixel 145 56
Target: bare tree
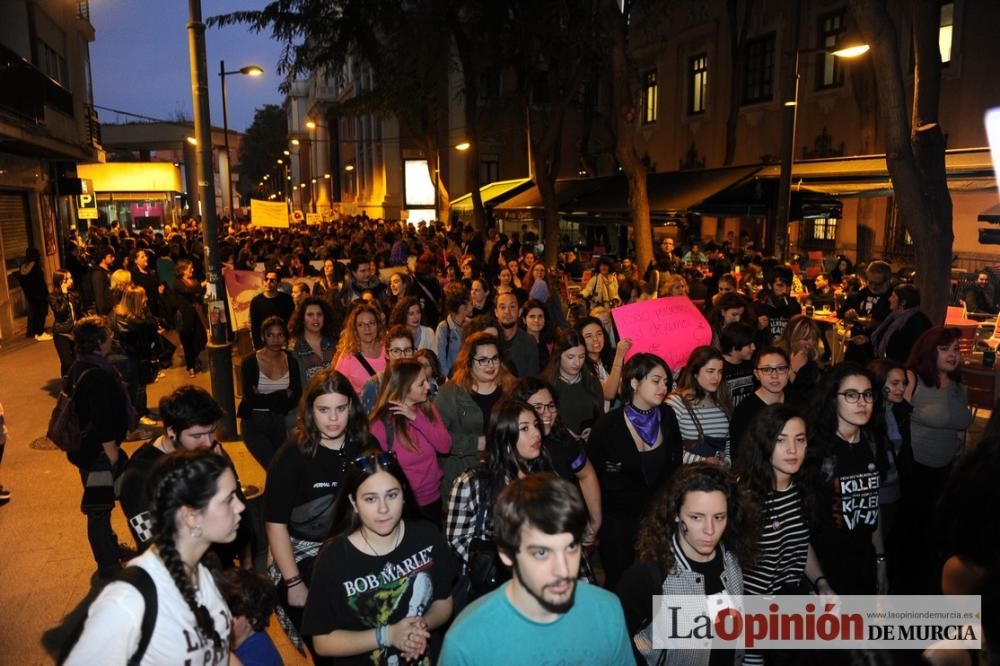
pixel 914 143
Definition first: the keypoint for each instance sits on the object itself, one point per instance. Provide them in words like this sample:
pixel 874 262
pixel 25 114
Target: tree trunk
pixel 738 31
pixel 915 157
pixel 470 80
pixel 625 118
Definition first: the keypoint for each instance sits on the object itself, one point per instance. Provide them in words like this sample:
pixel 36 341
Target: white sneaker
pixel 43 337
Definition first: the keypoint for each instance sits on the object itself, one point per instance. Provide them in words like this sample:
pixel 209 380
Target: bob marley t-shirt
pixel 355 591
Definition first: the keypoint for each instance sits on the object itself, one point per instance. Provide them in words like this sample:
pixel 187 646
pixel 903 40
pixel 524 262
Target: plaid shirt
pixel 463 508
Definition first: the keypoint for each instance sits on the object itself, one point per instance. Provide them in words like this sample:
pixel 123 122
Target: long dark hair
pixel 328 381
pixel 657 529
pixel 297 322
pixel 529 386
pixel 823 421
pixel 687 385
pixel 565 340
pixel 753 463
pixel 502 462
pixel 179 479
pixel 363 467
pixel 607 353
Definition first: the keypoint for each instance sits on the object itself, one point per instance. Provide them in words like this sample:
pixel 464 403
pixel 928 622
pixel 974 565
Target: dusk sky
pixel 140 60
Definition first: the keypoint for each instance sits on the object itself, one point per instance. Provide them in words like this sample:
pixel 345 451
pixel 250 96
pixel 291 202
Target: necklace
pixel 850 440
pixel 341 438
pixel 399 533
pixel 193 575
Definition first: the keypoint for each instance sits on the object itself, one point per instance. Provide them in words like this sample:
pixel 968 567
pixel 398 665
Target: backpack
pixel 64 423
pixel 140 579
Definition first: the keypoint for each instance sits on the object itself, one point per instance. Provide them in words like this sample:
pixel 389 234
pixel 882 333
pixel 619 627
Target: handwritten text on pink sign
pixel 669 327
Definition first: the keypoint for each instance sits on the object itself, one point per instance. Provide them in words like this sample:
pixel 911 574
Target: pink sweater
pixel 421 466
pixel 350 367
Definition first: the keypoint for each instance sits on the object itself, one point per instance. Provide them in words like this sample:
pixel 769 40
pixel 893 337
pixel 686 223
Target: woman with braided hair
pixel 194 503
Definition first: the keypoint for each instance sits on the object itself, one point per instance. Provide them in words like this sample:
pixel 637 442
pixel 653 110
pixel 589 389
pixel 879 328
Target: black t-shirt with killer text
pixel 352 590
pixel 739 377
pixel 849 513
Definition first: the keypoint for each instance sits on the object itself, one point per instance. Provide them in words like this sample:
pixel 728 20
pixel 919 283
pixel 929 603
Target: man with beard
pixel 520 349
pixel 543 615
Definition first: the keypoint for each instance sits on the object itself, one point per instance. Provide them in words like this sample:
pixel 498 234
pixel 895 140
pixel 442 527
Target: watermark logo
pixel 725 622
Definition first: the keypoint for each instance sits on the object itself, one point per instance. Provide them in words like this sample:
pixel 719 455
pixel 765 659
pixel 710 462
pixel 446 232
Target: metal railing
pixel 83 9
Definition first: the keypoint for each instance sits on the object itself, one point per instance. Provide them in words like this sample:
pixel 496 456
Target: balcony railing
pixel 83 9
pixel 26 91
pixel 93 124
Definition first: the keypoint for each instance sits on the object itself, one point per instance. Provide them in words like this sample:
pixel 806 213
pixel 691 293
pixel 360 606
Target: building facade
pixel 47 126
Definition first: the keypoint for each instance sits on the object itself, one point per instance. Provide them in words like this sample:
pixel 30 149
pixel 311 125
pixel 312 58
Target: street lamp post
pixel 249 70
pixel 788 146
pixel 219 348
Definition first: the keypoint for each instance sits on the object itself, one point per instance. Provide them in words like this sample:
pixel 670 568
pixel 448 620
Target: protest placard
pixel 669 327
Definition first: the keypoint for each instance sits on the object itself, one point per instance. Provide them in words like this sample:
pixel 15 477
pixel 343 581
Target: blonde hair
pixel 120 279
pixel 133 302
pixel 667 283
pixel 800 332
pixel 349 343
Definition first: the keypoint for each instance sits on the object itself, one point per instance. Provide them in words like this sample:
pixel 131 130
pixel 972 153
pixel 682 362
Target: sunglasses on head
pixel 367 463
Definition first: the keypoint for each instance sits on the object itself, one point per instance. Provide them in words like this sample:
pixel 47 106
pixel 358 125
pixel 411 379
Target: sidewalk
pixel 45 561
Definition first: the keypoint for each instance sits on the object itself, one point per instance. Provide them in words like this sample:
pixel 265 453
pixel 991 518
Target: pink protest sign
pixel 669 327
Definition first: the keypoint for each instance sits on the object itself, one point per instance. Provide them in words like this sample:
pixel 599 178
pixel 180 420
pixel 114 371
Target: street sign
pixel 86 208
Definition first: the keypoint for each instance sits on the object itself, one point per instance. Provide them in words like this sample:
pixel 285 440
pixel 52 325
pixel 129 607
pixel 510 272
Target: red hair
pixel 924 355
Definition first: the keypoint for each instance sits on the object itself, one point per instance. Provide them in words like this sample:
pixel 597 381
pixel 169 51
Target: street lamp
pixel 249 70
pixel 788 144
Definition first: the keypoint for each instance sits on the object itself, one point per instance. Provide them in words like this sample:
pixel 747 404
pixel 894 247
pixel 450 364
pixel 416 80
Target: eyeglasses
pixel 396 352
pixel 852 397
pixel 367 463
pixel 541 408
pixel 772 370
pixel 366 324
pixel 486 361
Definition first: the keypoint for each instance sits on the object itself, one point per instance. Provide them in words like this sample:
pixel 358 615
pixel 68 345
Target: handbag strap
pixel 390 433
pixel 480 508
pixel 694 417
pixel 364 362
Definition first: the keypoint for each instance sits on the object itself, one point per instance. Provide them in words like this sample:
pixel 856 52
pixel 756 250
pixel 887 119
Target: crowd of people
pixel 459 458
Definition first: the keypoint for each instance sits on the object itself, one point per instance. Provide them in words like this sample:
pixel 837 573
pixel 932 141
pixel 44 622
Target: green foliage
pixel 262 144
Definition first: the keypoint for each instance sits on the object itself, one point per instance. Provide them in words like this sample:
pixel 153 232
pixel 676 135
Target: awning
pixel 671 194
pixel 567 191
pixel 968 169
pixel 991 215
pixel 492 194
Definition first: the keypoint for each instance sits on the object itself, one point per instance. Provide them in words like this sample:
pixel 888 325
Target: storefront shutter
pixel 14 227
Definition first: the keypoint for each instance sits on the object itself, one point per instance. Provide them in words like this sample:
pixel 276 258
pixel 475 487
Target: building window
pixel 758 73
pixel 489 169
pixel 946 30
pixel 824 229
pixel 829 72
pixel 699 83
pixel 649 97
pixel 53 64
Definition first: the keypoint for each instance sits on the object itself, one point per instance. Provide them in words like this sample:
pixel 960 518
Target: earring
pixel 196 531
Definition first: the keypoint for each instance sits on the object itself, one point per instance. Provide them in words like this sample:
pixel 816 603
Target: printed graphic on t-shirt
pixel 377 597
pixel 855 500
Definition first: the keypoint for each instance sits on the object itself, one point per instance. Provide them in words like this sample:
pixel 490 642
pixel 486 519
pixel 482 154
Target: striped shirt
pixel 713 420
pixel 784 544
